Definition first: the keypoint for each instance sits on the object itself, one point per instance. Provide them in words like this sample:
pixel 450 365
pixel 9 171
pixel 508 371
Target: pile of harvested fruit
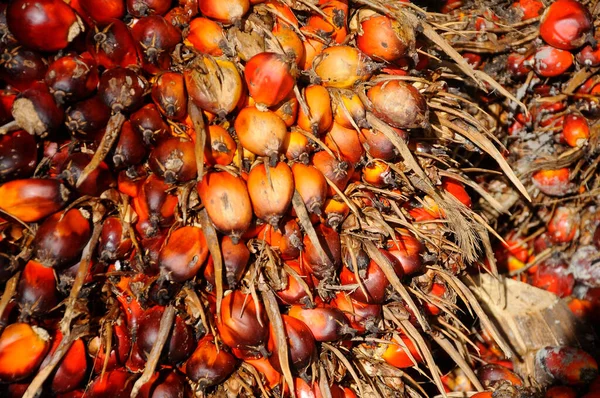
pixel 304 198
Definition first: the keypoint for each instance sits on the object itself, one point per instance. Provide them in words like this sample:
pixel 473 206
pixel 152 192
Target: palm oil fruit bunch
pixel 551 140
pixel 267 198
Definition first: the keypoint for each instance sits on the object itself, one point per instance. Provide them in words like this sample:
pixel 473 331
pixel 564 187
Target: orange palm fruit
pixel 271 191
pixel 311 185
pixel 261 132
pixel 227 203
pixel 22 349
pixel 33 199
pixel 319 107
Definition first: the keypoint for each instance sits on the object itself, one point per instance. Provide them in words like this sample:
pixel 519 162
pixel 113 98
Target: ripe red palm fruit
pixel 154 206
pixel 575 130
pixel 36 111
pixel 103 11
pixel 568 365
pixel 115 384
pixel 183 254
pixel 270 78
pixel 37 293
pixel 301 345
pixel 565 24
pixel 383 38
pixel 98 181
pixel 407 249
pixel 330 242
pixel 43 25
pixel 361 316
pixel 18 155
pixel 169 95
pixel 243 325
pixel 20 67
pixel 72 368
pixel 552 62
pixel 173 159
pixel 553 182
pixel 180 343
pixel 294 292
pixel 493 375
pixel 156 39
pixel 209 365
pixel 112 45
pixel 165 383
pixel 142 8
pixel 60 239
pixel 72 78
pixel 225 12
pixel 325 323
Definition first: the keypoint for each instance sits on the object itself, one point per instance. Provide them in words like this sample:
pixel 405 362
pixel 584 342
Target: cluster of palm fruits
pixel 549 63
pixel 263 198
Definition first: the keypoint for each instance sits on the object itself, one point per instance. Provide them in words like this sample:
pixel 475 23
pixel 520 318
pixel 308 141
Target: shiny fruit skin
pixel 18 155
pixel 337 171
pixel 227 202
pixel 165 384
pixel 407 250
pixel 72 368
pixel 114 384
pixel 311 185
pixel 565 24
pixel 33 199
pixel 493 375
pixel 269 78
pixel 319 106
pixel 169 95
pixel 60 239
pixel 102 11
pixel 243 325
pixel 396 355
pixel 301 344
pixel 183 254
pixel 180 343
pixel 206 36
pixel 380 38
pixel 575 130
pixel 564 224
pixel 552 62
pixel 208 365
pixel 553 182
pixel 271 191
pixel 261 132
pixel 43 25
pixel 226 12
pixel 345 142
pixel 22 349
pixel 325 323
pixel 220 147
pixel 37 292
